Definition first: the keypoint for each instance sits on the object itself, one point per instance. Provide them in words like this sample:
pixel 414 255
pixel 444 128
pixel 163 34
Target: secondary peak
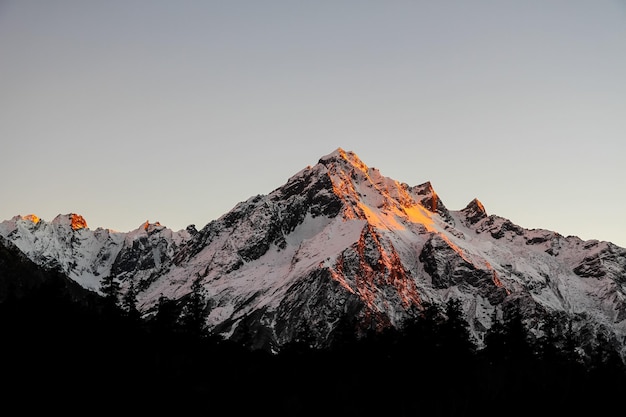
pixel 474 211
pixel 147 226
pixel 75 221
pixel 31 218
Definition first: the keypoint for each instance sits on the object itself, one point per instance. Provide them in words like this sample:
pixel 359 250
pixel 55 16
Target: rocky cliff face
pixel 340 242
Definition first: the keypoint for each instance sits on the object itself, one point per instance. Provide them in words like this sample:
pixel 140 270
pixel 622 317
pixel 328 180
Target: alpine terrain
pixel 342 246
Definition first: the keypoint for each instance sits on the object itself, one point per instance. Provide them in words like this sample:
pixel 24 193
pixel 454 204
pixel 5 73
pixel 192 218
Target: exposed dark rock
pixel 474 211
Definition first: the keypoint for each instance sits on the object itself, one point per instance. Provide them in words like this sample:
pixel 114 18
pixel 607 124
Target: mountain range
pixel 341 243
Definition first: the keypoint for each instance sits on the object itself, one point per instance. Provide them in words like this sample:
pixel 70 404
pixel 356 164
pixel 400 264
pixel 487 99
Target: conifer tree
pixel 429 332
pixel 604 357
pixel 193 318
pixel 110 288
pixel 129 302
pixel 165 319
pixel 517 334
pixel 454 334
pixel 508 339
pixel 570 343
pixel 495 340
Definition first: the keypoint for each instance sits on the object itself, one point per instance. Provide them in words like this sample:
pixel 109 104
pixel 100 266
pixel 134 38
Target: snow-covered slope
pixel 340 241
pixel 87 256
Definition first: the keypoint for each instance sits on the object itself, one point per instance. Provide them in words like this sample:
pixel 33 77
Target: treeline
pixel 69 353
pixel 434 367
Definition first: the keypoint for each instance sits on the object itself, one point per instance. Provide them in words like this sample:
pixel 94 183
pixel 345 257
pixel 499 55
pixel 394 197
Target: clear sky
pixel 175 111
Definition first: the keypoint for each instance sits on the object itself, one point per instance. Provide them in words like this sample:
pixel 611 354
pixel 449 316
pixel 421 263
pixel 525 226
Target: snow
pixel 85 255
pixel 539 263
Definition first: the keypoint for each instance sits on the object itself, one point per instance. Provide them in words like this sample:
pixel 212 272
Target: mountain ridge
pixel 340 241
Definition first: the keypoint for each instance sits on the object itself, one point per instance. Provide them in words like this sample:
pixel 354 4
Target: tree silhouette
pixel 455 337
pixel 508 340
pixel 110 289
pixel 548 345
pixel 193 314
pixel 129 303
pixel 165 321
pixel 604 358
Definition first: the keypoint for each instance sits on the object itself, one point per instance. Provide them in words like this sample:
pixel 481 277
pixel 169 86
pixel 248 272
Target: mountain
pixel 341 244
pixel 85 255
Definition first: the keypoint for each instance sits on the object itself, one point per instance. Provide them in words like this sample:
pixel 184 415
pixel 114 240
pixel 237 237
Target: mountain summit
pixel 340 245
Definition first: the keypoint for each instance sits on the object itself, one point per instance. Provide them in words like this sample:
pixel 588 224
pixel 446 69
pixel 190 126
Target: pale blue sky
pixel 175 111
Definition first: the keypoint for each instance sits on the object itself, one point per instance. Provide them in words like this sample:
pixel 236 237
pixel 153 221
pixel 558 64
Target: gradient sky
pixel 175 111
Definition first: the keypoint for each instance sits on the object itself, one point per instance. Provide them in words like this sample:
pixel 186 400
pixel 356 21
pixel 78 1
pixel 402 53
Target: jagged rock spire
pixel 474 211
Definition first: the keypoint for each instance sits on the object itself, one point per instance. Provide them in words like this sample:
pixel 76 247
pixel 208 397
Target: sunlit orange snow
pixel 78 222
pixel 32 218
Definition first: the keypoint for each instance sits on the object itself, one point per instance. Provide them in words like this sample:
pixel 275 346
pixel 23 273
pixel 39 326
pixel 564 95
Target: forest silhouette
pixel 68 349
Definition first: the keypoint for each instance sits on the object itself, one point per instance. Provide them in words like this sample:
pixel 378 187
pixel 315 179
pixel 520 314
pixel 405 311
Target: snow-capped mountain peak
pixel 338 242
pixel 345 159
pixel 73 220
pixel 380 200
